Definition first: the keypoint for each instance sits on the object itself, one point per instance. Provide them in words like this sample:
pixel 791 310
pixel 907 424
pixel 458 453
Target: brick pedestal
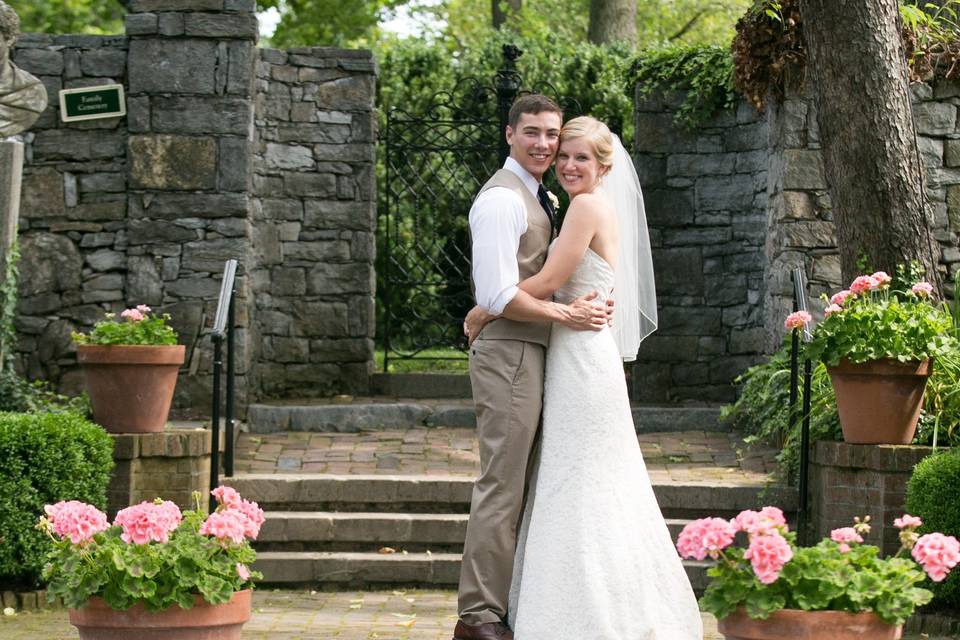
pixel 848 480
pixel 169 465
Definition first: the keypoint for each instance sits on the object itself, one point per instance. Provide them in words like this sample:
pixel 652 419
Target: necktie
pixel 547 206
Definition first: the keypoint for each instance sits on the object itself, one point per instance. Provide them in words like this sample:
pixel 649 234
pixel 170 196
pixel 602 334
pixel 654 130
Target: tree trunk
pixel 856 60
pixel 613 21
pixel 499 15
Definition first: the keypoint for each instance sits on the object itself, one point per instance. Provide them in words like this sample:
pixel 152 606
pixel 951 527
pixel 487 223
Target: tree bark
pixel 856 60
pixel 613 21
pixel 499 15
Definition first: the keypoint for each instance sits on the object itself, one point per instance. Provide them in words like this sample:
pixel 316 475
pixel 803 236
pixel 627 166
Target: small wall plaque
pixel 92 103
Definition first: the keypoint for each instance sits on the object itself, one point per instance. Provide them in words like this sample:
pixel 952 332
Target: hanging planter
pixel 879 401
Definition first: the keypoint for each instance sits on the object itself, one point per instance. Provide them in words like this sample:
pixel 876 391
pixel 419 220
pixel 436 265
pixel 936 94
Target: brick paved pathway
pixel 678 456
pixel 299 615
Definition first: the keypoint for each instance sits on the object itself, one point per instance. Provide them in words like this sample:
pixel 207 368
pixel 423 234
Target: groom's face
pixel 535 140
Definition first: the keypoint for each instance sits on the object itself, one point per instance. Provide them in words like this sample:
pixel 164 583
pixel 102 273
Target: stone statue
pixel 22 97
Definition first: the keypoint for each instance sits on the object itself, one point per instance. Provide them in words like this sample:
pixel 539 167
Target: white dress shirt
pixel 498 218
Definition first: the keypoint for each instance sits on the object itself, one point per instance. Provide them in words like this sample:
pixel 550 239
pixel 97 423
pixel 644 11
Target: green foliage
pixel 819 578
pixel 160 575
pixel 131 330
pixel 883 324
pixel 329 23
pixel 70 16
pixel 703 73
pixel 47 457
pixel 932 496
pixel 762 410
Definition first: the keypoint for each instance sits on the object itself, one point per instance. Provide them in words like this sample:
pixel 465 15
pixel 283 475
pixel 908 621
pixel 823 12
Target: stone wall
pixel 705 195
pixel 207 165
pixel 734 207
pixel 851 480
pixel 315 218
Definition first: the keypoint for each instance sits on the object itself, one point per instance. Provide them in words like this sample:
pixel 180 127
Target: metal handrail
pixel 800 304
pixel 223 328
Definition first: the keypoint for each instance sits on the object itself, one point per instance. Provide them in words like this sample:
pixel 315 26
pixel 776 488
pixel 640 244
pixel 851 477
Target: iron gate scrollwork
pixel 435 163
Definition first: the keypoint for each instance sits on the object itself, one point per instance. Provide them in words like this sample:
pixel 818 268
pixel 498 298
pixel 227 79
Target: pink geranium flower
pixel 227 496
pixel 225 525
pixel 76 520
pixel 133 315
pixel 841 297
pixel 938 554
pixel 922 289
pixel 907 521
pixel 762 522
pixel 144 309
pixel 767 555
pixel 832 309
pixel 882 278
pixel 862 284
pixel 243 571
pixel 148 522
pixel 706 536
pixel 253 515
pixel 845 534
pixel 844 547
pixel 797 320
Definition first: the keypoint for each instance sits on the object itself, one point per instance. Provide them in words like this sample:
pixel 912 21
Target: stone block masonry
pixel 850 480
pixel 227 151
pixel 169 465
pixel 316 214
pixel 733 207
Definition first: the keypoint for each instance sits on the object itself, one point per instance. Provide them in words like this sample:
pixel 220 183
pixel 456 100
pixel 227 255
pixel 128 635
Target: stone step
pixel 358 531
pixel 360 415
pixel 351 570
pixel 451 494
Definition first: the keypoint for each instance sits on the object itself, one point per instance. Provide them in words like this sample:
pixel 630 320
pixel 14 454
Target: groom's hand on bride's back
pixel 584 314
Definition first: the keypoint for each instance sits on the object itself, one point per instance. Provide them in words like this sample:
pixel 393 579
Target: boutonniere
pixel 554 200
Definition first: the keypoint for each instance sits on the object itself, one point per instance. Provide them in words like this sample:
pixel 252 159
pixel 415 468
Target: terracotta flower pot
pixel 879 401
pixel 130 386
pixel 97 621
pixel 793 624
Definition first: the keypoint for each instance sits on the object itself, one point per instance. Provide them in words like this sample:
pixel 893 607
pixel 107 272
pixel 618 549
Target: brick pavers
pixel 686 456
pixel 301 615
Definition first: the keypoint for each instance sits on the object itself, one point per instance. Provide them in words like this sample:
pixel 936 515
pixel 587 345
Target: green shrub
pixel 932 496
pixel 44 458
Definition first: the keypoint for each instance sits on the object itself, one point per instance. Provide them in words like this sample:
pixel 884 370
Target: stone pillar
pixel 169 465
pixel 190 118
pixel 11 172
pixel 849 480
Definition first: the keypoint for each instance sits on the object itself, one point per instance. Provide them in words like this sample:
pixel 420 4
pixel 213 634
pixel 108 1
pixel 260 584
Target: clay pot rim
pixel 171 354
pixel 97 613
pixel 884 366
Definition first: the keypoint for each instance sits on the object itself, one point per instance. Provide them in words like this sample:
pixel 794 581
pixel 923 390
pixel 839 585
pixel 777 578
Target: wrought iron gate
pixel 436 161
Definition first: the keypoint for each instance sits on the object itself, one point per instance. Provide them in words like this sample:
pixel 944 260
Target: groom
pixel 512 222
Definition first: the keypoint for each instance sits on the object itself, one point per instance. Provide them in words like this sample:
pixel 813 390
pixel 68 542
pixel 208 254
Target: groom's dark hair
pixel 533 104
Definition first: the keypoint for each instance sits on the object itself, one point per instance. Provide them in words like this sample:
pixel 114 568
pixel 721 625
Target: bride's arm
pixel 579 227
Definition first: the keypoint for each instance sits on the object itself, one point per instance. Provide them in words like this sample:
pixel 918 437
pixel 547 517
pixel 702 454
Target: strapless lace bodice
pixel 592 274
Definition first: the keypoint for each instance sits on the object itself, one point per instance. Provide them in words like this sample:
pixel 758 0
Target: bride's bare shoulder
pixel 595 202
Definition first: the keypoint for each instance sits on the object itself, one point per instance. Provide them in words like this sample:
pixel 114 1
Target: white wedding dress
pixel 594 557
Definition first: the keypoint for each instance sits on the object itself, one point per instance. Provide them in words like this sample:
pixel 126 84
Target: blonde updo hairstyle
pixel 597 135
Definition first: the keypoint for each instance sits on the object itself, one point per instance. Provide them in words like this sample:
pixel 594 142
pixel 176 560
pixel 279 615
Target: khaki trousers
pixel 507 380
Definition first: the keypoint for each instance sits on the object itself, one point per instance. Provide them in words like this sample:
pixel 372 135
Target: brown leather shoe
pixel 487 631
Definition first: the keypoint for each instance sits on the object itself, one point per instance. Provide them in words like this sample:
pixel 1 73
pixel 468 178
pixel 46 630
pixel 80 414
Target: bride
pixel 594 558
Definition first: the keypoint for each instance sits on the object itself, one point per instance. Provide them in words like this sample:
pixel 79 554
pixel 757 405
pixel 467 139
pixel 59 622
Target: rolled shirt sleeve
pixel 498 219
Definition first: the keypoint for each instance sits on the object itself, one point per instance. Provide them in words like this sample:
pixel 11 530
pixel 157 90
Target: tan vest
pixel 531 255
